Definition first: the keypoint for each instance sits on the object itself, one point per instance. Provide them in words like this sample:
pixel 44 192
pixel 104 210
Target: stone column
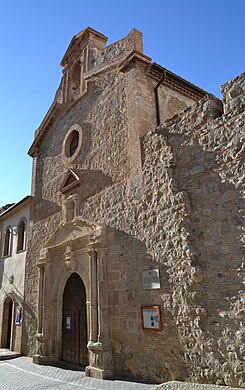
pixel 101 349
pixel 43 334
pixel 40 299
pixel 93 299
pixel 104 326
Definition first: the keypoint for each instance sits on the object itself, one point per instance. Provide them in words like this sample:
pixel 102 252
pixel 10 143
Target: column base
pixel 39 359
pixel 98 373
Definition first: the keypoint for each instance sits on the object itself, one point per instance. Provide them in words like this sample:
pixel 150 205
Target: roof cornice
pixel 47 122
pixel 133 56
pixel 176 82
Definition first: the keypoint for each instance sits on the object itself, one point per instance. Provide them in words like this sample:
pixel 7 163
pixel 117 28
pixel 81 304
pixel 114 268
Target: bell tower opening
pixel 76 80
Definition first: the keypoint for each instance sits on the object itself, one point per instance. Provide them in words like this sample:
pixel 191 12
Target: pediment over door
pixel 79 229
pixel 72 180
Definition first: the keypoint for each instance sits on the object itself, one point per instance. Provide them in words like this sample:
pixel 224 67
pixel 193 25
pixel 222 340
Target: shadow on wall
pixel 2 261
pixel 44 209
pixel 93 182
pixel 12 288
pixel 27 313
pixel 128 337
pixel 19 300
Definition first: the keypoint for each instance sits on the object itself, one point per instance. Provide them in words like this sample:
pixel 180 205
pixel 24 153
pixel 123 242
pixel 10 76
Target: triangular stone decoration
pixel 71 180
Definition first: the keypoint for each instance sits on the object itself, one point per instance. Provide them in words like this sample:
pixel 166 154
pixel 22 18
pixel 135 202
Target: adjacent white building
pixel 14 223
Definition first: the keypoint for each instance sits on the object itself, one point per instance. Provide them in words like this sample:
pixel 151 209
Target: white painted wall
pixel 12 267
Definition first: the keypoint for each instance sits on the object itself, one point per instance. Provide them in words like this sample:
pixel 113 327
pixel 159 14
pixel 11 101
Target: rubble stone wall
pixel 184 215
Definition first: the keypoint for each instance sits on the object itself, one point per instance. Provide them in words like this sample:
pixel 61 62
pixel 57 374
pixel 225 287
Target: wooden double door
pixel 74 327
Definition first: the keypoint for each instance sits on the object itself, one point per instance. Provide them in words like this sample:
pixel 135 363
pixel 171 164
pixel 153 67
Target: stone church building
pixel 135 265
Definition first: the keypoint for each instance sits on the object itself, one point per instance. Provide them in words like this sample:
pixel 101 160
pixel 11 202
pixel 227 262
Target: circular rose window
pixel 72 142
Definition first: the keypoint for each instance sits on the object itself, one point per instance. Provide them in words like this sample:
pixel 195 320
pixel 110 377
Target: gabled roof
pixel 15 206
pixel 47 122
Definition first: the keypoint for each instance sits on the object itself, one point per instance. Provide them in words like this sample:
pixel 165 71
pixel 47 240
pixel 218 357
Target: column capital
pixel 44 258
pixel 68 253
pixel 102 250
pixel 92 253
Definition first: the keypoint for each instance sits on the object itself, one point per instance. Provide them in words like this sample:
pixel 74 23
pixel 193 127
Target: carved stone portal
pixel 78 247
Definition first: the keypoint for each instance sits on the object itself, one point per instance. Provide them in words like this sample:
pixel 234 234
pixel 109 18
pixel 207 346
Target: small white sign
pixel 151 279
pixel 68 322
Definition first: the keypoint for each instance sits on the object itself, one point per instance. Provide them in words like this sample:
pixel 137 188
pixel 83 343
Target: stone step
pixel 6 354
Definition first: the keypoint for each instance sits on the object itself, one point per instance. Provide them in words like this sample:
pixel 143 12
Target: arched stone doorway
pixel 73 278
pixel 7 329
pixel 74 324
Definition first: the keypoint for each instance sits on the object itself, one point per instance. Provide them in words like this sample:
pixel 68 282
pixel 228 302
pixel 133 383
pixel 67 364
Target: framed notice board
pixel 18 316
pixel 151 318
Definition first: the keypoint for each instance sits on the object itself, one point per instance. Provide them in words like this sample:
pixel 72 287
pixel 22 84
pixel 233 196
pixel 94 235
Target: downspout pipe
pixel 158 118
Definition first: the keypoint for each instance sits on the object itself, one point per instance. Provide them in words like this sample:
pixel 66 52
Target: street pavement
pixel 176 385
pixel 20 373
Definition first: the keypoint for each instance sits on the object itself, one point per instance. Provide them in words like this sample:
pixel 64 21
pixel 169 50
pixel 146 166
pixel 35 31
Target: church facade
pixel 134 264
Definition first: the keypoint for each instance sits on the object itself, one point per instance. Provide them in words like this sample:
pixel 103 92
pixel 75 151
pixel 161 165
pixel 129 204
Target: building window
pixel 7 242
pixel 72 142
pixel 21 236
pixel 76 80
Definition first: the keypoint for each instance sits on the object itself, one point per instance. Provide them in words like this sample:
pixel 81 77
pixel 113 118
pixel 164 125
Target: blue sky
pixel 202 41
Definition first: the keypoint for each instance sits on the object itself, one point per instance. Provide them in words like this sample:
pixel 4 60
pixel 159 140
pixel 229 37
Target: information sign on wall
pixel 68 322
pixel 18 317
pixel 151 279
pixel 151 318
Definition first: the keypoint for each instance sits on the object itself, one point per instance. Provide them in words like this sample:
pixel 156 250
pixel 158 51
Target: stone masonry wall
pixel 133 41
pixel 116 109
pixel 184 215
pixel 97 159
pixel 175 202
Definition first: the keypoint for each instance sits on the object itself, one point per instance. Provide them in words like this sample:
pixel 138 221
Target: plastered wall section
pixel 12 271
pixel 185 216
